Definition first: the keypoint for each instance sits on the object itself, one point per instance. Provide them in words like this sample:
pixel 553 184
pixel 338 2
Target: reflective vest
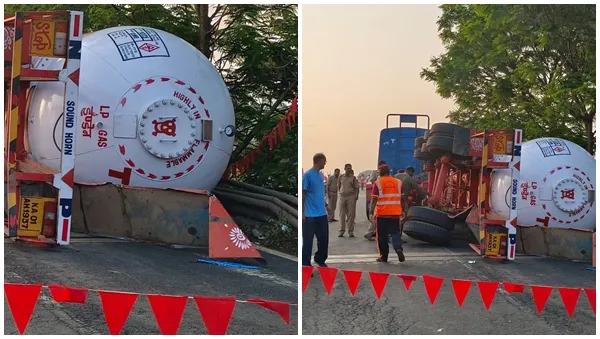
pixel 389 201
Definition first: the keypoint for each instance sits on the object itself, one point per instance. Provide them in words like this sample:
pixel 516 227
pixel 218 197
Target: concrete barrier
pixel 157 215
pixel 572 244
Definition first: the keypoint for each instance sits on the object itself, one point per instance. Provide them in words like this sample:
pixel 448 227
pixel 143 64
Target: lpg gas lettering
pixel 102 138
pixel 68 144
pixel 104 111
pixel 70 114
pixel 185 99
pixel 196 115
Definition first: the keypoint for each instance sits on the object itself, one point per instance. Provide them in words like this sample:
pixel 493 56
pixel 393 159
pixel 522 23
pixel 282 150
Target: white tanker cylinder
pixel 153 112
pixel 556 186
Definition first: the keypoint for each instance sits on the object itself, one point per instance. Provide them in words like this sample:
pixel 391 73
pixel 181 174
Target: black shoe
pixel 400 256
pixel 351 235
pixel 321 264
pixel 333 220
pixel 381 259
pixel 341 235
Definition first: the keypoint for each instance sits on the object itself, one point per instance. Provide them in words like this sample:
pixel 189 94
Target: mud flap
pixel 226 239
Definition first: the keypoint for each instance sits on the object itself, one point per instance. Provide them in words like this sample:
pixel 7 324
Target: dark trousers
pixel 312 227
pixel 386 227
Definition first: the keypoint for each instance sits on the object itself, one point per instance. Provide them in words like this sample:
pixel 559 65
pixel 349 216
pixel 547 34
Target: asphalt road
pixel 104 264
pixel 410 312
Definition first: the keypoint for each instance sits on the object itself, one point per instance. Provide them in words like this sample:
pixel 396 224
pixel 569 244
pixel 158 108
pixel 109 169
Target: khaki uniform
pixel 332 194
pixel 409 184
pixel 349 189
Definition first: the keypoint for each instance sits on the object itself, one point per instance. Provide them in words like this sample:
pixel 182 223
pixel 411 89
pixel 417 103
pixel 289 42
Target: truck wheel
pixel 420 155
pixel 426 135
pixel 430 215
pixel 419 141
pixel 427 232
pixel 442 128
pixel 440 143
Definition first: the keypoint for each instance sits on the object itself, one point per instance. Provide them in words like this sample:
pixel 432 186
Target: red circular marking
pixel 122 150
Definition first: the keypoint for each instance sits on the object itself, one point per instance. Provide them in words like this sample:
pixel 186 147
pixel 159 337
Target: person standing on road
pixel 332 193
pixel 371 230
pixel 349 189
pixel 387 206
pixel 314 213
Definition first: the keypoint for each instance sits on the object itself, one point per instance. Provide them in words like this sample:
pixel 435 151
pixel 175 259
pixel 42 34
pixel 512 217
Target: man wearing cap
pixel 349 189
pixel 387 207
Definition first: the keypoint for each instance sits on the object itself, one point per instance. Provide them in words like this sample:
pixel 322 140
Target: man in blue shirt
pixel 314 213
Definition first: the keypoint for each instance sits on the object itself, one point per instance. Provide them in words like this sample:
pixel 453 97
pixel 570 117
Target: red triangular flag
pixel 168 311
pixel 306 274
pixel 540 296
pixel 570 297
pixel 281 308
pixel 461 289
pixel 21 301
pixel 328 275
pixel 487 290
pixel 591 296
pixel 64 294
pixel 407 280
pixel 216 312
pixel 378 280
pixel 352 280
pixel 432 286
pixel 513 288
pixel 116 307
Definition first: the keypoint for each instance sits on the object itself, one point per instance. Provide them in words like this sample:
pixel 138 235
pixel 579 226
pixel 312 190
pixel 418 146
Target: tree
pixel 255 49
pixel 520 66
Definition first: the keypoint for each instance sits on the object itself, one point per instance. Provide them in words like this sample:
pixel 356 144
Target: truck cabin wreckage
pixel 459 163
pixel 39 200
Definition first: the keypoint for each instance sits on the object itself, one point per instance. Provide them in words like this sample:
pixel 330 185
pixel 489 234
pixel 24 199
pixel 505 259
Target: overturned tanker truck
pixel 534 197
pixel 138 118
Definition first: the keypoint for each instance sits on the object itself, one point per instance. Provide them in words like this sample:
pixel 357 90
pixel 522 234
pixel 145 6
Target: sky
pixel 360 63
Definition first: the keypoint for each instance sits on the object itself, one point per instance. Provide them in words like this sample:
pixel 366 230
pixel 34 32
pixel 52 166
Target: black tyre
pixel 440 143
pixel 420 155
pixel 430 215
pixel 427 232
pixel 442 128
pixel 426 135
pixel 419 141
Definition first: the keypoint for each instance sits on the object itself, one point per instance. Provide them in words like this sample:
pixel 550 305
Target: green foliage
pixel 255 47
pixel 520 66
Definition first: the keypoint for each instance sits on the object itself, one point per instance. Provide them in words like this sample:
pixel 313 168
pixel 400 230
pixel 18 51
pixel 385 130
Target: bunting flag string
pixel 461 288
pixel 168 310
pixel 271 139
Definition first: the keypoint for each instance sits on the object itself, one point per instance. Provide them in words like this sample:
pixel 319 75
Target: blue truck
pixel 397 144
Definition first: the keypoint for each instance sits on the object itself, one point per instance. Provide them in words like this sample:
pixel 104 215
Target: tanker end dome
pixel 153 112
pixel 556 186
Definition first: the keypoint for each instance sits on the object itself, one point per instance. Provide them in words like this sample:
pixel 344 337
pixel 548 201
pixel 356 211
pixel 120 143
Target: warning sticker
pixel 139 43
pixel 552 147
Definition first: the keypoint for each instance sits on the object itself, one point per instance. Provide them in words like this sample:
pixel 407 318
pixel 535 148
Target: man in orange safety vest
pixel 387 206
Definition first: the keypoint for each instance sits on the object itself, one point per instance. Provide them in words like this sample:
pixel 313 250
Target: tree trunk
pixel 589 134
pixel 205 30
